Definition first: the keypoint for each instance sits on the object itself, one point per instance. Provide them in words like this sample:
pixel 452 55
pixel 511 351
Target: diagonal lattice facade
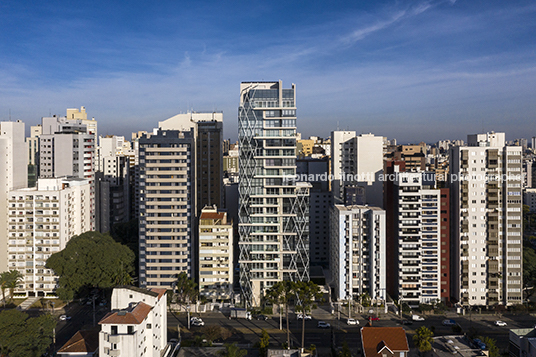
pixel 274 209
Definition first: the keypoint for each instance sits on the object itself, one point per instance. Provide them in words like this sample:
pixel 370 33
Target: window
pixel 114 330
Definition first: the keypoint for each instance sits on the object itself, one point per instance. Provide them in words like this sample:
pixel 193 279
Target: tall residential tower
pixel 273 215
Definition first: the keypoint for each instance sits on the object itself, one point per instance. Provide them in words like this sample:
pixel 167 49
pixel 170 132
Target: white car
pixel 300 316
pixel 323 324
pixel 500 323
pixel 198 322
pixel 194 318
pixel 352 322
pixel 64 317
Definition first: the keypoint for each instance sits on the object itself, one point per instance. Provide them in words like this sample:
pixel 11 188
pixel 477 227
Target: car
pixel 417 318
pixel 448 322
pixel 500 323
pixel 352 322
pixel 64 317
pixel 195 318
pixel 198 322
pixel 371 311
pixel 407 322
pixel 261 317
pixel 373 318
pixel 323 324
pixel 300 316
pixel 479 343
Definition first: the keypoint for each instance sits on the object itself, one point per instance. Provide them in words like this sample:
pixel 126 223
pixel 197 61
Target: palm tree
pixel 185 292
pixel 307 294
pixel 281 293
pixel 423 339
pixel 14 277
pixel 3 284
pixel 232 350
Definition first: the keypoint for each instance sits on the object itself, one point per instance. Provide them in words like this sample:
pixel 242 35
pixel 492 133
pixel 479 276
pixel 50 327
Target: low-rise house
pixel 384 342
pixel 84 343
pixel 137 324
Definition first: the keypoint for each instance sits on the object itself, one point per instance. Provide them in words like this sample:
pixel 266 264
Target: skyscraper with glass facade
pixel 274 208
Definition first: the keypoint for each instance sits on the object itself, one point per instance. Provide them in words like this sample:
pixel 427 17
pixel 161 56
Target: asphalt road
pixel 248 332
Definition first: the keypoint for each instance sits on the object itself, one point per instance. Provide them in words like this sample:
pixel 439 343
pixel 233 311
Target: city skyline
pixel 421 70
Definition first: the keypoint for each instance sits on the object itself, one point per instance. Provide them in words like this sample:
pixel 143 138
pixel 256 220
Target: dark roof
pixel 374 339
pixel 82 341
pixel 139 290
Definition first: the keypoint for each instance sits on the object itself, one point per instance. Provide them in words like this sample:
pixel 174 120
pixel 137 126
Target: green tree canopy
pixel 423 339
pixel 491 345
pixel 21 336
pixel 307 294
pixel 91 260
pixel 282 292
pixel 232 350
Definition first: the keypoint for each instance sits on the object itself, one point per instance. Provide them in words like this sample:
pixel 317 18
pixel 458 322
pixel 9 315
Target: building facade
pixel 137 325
pixel 274 209
pixel 215 254
pixel 42 220
pixel 487 221
pixel 167 207
pixel 357 262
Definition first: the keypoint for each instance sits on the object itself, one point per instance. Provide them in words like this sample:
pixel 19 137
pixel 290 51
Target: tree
pixel 423 339
pixel 212 332
pixel 307 293
pixel 90 260
pixel 3 285
pixel 345 352
pixel 14 277
pixel 232 350
pixel 264 342
pixel 282 293
pixel 21 336
pixel 492 346
pixel 185 292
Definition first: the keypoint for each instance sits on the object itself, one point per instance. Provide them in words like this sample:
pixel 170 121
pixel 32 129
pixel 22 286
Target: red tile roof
pixel 212 215
pixel 160 292
pixel 134 317
pixel 374 339
pixel 83 341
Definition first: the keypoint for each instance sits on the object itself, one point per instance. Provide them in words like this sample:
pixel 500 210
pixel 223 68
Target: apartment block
pixel 529 198
pixel 486 189
pixel 274 209
pixel 33 154
pixel 137 324
pixel 167 207
pixel 13 175
pixel 418 249
pixel 357 252
pixel 215 254
pixel 41 222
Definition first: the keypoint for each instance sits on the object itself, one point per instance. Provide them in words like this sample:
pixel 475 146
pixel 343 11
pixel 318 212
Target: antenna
pixel 337 125
pixel 9 114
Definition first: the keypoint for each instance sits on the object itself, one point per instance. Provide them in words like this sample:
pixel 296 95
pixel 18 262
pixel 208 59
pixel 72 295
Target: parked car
pixel 417 318
pixel 64 317
pixel 323 324
pixel 373 318
pixel 479 343
pixel 448 322
pixel 352 322
pixel 500 323
pixel 300 316
pixel 261 317
pixel 407 322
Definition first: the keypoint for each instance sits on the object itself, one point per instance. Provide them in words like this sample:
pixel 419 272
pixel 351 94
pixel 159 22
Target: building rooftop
pixel 212 215
pixel 151 292
pixel 133 316
pixel 85 341
pixel 375 339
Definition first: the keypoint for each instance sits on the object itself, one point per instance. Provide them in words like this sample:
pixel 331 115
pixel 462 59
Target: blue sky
pixel 413 70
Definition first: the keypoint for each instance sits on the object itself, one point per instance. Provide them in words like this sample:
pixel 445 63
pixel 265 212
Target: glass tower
pixel 274 208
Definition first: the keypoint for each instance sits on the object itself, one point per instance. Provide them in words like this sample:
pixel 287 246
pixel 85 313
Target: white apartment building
pixel 419 237
pixel 358 161
pixel 487 231
pixel 13 175
pixel 137 324
pixel 167 207
pixel 357 261
pixel 215 254
pixel 41 222
pixel 274 209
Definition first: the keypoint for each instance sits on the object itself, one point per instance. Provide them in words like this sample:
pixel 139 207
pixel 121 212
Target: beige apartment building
pixel 215 254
